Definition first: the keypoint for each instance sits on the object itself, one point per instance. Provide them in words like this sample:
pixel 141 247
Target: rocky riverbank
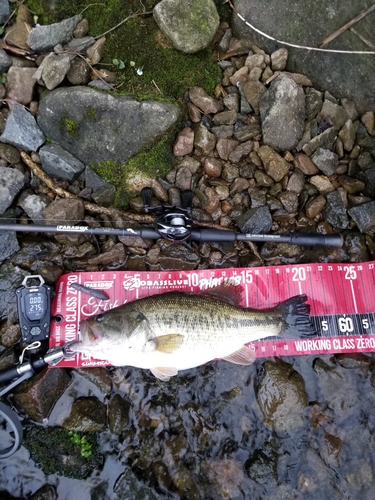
pixel 263 151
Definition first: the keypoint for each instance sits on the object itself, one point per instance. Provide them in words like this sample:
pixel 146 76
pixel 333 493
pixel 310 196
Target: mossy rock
pixel 54 451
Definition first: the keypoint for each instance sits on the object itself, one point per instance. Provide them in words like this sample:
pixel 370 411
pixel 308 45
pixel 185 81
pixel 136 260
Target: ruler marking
pixel 353 296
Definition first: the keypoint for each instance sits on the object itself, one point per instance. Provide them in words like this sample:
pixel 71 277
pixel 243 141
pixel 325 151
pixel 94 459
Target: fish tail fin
pixel 296 319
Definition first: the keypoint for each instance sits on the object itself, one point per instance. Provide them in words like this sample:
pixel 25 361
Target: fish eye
pixel 99 318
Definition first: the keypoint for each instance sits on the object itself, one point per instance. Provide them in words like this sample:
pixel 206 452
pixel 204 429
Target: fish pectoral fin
pixel 244 356
pixel 168 343
pixel 164 373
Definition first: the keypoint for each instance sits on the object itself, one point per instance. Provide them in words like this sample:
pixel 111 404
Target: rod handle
pixel 8 374
pixel 309 240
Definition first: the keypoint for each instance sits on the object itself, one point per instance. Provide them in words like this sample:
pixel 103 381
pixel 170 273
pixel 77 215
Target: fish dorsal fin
pixel 164 372
pixel 244 356
pixel 168 343
pixel 226 292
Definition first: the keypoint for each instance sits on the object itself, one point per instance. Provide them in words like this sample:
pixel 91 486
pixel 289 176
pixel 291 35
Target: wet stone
pixel 63 211
pixel 36 398
pixel 43 38
pixel 230 172
pixel 335 211
pixel 256 220
pixel 79 72
pixel 12 181
pixel 46 492
pixel 128 485
pixel 99 377
pixel 104 196
pixel 279 59
pixel 338 388
pixel 283 103
pixel 231 101
pixel 284 409
pixel 11 277
pixel 253 91
pixel 315 206
pixel 224 147
pixel 263 179
pixel 323 140
pixel 8 244
pixel 247 132
pixel 9 153
pixel 325 160
pixel 261 467
pixel 225 118
pixel 212 167
pixel 274 164
pixel 184 144
pixel 239 184
pixel 203 101
pixel 364 216
pixel 177 256
pixel 347 135
pixel 87 414
pixel 350 184
pixel 118 414
pixel 21 130
pixel 204 141
pixel 305 164
pixel 183 178
pixel 59 163
pixel 289 199
pixel 223 131
pixel 322 183
pixel 334 112
pixel 296 182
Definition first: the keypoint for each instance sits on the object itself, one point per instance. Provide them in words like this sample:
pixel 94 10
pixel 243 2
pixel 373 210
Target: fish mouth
pixel 88 336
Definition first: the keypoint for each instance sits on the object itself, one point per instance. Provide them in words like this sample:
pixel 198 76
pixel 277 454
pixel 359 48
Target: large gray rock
pixel 95 126
pixel 21 130
pixel 309 23
pixel 42 38
pixel 189 25
pixel 282 113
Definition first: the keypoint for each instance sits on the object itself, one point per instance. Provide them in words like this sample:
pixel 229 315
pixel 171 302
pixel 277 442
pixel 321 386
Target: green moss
pixel 155 161
pixel 69 126
pixel 55 452
pixel 91 114
pixel 167 73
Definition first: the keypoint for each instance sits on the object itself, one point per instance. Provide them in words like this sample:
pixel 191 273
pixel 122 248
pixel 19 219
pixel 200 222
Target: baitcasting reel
pixel 173 223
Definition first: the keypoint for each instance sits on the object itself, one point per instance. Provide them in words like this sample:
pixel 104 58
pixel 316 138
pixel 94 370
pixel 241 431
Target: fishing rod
pixel 175 224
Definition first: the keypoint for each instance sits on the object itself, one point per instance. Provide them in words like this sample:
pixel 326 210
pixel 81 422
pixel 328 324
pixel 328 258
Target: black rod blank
pixel 208 235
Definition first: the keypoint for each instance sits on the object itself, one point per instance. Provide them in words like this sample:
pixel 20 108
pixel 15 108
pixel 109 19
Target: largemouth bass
pixel 176 331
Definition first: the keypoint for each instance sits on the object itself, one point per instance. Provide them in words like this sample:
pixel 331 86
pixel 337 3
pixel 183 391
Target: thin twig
pixel 90 207
pixel 304 47
pixel 153 81
pixel 361 37
pixel 346 26
pixel 124 21
pixel 90 5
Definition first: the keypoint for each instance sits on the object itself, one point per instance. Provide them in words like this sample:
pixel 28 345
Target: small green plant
pixel 81 442
pixel 119 63
pixel 3 77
